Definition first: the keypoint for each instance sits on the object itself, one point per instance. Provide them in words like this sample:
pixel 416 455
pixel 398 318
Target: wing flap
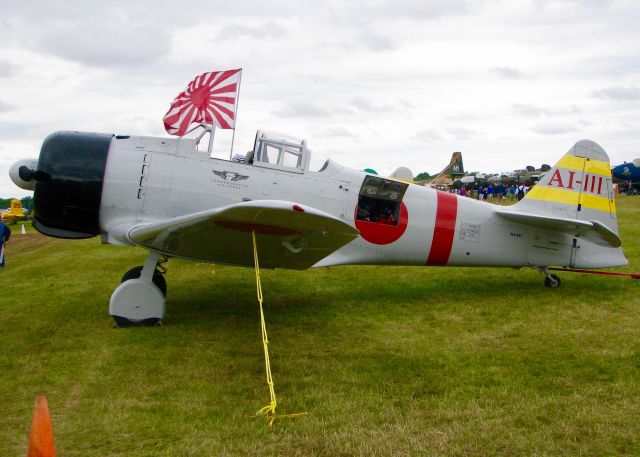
pixel 289 235
pixel 593 231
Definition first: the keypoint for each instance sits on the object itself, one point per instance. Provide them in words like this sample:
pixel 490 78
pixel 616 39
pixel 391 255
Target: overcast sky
pixel 377 84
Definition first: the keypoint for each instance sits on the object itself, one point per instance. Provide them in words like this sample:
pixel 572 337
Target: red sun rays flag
pixel 210 99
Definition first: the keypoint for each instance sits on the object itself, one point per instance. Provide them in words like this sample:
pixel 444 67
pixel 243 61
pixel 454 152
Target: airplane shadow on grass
pixel 322 295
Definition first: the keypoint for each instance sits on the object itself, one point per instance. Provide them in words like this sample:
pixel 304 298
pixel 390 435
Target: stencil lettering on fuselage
pixel 469 232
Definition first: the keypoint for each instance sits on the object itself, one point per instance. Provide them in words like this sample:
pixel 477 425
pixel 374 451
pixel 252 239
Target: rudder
pixel 579 186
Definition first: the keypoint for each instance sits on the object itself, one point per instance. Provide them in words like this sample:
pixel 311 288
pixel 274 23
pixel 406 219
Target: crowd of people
pixel 493 191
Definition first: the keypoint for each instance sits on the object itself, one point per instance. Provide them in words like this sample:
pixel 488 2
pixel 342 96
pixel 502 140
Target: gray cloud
pixel 573 3
pixel 100 42
pixel 364 104
pixel 427 135
pixel 573 109
pixel 98 34
pixel 301 109
pixel 267 30
pixel 529 110
pixel 507 72
pixel 525 109
pixel 6 69
pixel 463 117
pixel 4 107
pixel 14 129
pixel 415 9
pixel 339 132
pixel 553 128
pixel 618 93
pixel 160 13
pixel 623 63
pixel 376 43
pixel 464 134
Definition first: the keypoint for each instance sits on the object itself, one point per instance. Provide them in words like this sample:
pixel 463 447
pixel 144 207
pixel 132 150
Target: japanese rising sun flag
pixel 210 99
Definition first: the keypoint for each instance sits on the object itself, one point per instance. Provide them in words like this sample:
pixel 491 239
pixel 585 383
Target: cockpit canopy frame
pixel 273 150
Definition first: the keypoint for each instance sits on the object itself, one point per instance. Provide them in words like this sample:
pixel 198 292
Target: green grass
pixel 386 360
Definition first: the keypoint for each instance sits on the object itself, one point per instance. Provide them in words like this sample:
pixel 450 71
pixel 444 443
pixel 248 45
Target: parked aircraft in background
pixel 13 213
pixel 629 172
pixel 166 196
pixel 449 174
pixel 527 176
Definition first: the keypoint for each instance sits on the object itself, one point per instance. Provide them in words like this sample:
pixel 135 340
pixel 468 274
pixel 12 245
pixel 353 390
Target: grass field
pixel 386 360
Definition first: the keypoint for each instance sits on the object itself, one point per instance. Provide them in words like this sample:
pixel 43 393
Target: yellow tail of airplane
pixel 13 213
pixel 579 187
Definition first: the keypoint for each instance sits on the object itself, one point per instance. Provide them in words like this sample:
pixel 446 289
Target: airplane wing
pixel 288 235
pixel 593 231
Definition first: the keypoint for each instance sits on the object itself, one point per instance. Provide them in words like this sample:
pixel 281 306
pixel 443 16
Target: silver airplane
pixel 166 196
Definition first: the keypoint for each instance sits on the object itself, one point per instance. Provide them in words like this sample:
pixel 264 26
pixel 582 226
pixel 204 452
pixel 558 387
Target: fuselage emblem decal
pixel 230 175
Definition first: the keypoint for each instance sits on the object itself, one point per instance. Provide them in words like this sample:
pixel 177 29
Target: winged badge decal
pixel 230 175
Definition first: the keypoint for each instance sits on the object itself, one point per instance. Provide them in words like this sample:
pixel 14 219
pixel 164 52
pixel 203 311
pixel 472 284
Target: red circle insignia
pixel 378 233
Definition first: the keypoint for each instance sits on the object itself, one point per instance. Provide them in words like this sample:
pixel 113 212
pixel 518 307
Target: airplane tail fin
pixel 455 167
pixel 16 207
pixel 579 186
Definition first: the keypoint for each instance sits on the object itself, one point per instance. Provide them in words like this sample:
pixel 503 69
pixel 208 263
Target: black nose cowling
pixel 69 179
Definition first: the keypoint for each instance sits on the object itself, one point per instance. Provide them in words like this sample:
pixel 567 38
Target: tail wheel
pixel 552 281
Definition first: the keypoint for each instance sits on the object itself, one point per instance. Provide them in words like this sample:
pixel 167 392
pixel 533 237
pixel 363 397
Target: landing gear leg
pixel 140 299
pixel 551 281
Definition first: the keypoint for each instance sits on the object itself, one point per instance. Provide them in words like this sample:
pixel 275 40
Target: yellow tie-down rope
pixel 268 411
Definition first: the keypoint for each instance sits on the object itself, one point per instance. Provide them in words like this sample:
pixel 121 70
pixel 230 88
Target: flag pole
pixel 233 137
pixel 212 131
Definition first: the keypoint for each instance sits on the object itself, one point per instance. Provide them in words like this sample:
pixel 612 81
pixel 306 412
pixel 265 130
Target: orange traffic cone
pixel 41 438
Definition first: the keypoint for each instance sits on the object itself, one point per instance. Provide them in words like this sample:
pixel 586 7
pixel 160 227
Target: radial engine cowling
pixel 68 184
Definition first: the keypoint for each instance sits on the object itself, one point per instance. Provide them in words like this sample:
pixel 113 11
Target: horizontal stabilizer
pixel 288 235
pixel 593 231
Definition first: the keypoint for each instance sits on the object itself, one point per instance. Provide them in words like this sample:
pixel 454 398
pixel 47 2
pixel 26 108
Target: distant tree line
pixel 422 176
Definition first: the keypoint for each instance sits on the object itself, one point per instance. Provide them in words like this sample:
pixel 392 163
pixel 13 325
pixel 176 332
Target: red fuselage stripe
pixel 445 227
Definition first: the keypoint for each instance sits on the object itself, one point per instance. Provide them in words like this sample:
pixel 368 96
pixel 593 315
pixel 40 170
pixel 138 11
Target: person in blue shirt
pixel 5 234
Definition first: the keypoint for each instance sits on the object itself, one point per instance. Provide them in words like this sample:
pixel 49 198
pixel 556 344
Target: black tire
pixel 123 322
pixel 552 281
pixel 158 278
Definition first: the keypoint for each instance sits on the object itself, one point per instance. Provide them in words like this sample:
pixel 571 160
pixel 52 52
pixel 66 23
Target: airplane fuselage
pixel 149 179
